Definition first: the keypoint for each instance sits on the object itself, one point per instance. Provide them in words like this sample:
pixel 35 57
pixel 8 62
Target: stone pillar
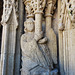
pixel 66 38
pixel 52 43
pixel 17 60
pixel 10 23
pixel 38 7
pixel 38 23
pixel 4 50
pixel 60 33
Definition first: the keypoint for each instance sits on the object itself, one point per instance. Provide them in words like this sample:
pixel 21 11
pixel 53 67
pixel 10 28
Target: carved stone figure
pixel 36 55
pixel 39 43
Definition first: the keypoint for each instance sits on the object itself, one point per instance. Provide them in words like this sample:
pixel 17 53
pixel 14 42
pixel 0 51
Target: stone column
pixel 48 22
pixel 52 43
pixel 4 50
pixel 38 7
pixel 10 23
pixel 61 9
pixel 38 23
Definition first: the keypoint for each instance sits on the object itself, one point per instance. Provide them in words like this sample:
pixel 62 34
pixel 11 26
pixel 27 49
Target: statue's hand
pixel 42 41
pixel 38 36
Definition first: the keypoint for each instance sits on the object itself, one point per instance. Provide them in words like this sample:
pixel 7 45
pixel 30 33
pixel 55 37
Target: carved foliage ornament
pixel 69 7
pixel 9 5
pixel 50 6
pixel 28 7
pixel 38 5
pixel 34 5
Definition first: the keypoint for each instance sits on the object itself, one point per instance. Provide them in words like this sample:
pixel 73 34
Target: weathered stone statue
pixel 39 43
pixel 36 55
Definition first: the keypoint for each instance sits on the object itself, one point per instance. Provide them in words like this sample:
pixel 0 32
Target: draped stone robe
pixel 35 57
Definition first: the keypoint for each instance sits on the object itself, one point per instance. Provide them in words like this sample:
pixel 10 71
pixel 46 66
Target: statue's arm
pixel 42 41
pixel 23 41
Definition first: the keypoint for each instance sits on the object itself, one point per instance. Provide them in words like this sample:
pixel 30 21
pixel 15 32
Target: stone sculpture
pixel 37 58
pixel 38 43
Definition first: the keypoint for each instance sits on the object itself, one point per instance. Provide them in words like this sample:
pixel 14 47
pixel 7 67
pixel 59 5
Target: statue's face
pixel 30 26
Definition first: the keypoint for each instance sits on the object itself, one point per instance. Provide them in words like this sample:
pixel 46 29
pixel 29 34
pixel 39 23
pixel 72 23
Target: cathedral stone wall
pixel 38 37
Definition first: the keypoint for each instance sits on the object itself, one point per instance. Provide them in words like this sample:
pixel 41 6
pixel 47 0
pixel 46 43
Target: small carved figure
pixel 35 55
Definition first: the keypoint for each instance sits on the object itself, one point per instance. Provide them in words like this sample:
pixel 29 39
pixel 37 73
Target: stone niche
pixel 67 37
pixel 30 40
pixel 39 43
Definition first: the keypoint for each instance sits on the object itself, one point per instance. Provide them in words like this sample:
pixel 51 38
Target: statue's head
pixel 29 25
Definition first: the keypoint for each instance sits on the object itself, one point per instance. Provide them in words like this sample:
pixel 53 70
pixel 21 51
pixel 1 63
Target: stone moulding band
pixel 38 12
pixel 48 15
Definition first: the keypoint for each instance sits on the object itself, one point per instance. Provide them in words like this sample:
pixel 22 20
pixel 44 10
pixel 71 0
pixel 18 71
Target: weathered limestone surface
pixel 39 50
pixel 39 41
pixel 61 55
pixel 10 23
pixel 71 51
pixel 52 43
pixel 34 55
pixel 67 43
pixel 68 49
